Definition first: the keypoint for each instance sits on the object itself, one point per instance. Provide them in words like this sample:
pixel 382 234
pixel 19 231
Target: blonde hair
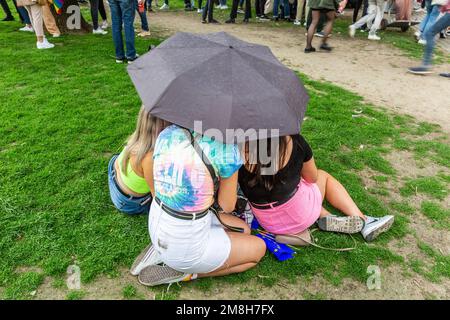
pixel 143 138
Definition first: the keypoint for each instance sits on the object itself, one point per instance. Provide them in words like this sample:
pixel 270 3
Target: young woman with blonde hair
pixel 131 172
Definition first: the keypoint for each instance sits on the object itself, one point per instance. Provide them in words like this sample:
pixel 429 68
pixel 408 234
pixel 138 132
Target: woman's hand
pixel 342 5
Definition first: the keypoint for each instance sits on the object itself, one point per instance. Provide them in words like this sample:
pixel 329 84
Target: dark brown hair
pixel 268 181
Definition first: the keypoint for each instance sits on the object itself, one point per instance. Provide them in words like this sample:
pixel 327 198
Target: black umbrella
pixel 224 82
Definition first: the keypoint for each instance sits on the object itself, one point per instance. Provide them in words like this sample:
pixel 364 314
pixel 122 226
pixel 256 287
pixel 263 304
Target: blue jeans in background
pixel 23 13
pixel 430 18
pixel 276 6
pixel 143 15
pixel 122 13
pixel 440 24
pixel 125 203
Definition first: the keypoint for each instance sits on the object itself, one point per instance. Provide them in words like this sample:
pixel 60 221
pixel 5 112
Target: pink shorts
pixel 296 215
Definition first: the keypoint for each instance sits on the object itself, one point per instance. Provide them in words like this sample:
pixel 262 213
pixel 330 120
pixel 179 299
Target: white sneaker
pixel 44 44
pixel 417 34
pixel 422 41
pixel 27 29
pixel 199 10
pixel 99 31
pixel 351 31
pixel 297 22
pixel 147 257
pixel 373 37
pixel 373 227
pixel 56 35
pixel 164 7
pixel 104 25
pixel 224 7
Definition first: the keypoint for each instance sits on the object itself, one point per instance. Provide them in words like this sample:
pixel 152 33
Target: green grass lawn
pixel 65 111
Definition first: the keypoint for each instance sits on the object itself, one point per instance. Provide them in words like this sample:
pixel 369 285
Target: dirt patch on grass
pixel 406 166
pixel 104 288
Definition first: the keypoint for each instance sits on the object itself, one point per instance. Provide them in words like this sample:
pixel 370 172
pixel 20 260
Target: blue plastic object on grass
pixel 281 251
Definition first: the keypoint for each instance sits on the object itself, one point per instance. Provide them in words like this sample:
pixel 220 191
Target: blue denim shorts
pixel 123 202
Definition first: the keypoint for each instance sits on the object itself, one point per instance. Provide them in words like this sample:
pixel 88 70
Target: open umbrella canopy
pixel 224 82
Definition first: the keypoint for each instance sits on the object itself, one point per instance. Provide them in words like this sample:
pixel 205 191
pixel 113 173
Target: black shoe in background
pixel 326 47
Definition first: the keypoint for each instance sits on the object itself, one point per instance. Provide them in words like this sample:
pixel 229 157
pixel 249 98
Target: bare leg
pixel 324 212
pixel 312 28
pixel 246 250
pixel 328 26
pixel 334 192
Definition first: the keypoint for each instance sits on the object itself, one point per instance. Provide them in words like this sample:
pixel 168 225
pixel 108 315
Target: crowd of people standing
pixel 317 16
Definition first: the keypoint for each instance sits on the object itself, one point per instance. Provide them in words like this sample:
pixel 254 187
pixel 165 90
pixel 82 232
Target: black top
pixel 286 179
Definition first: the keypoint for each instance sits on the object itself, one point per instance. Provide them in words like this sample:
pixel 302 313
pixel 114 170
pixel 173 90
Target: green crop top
pixel 133 182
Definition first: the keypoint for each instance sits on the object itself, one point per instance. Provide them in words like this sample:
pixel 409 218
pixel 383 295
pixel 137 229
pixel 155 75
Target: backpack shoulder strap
pixel 212 172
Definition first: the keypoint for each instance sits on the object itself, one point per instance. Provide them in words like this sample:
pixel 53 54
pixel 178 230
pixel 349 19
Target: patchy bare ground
pixel 375 71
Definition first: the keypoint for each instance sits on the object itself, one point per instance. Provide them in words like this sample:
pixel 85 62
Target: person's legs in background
pixel 94 14
pixel 430 33
pixel 233 13
pixel 327 30
pixel 321 23
pixel 24 18
pixel 207 14
pixel 102 11
pixel 223 4
pixel 371 14
pixel 424 21
pixel 248 10
pixel 127 8
pixel 36 17
pixel 300 11
pixel 286 10
pixel 165 6
pixel 116 27
pixel 144 23
pixel 376 23
pixel 276 7
pixel 358 4
pixel 315 16
pixel 432 17
pixel 49 21
pixel 9 16
pixel 441 23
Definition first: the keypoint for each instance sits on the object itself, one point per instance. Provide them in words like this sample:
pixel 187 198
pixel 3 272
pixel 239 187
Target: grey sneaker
pixel 347 224
pixel 146 258
pixel 373 227
pixel 156 275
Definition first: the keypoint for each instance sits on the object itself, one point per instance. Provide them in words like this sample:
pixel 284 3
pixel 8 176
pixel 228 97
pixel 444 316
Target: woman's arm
pixel 147 169
pixel 309 171
pixel 228 192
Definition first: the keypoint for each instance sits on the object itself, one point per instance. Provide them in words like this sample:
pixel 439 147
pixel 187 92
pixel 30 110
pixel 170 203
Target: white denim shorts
pixel 189 246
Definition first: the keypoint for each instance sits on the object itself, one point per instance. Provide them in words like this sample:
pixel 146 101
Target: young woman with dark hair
pixel 289 200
